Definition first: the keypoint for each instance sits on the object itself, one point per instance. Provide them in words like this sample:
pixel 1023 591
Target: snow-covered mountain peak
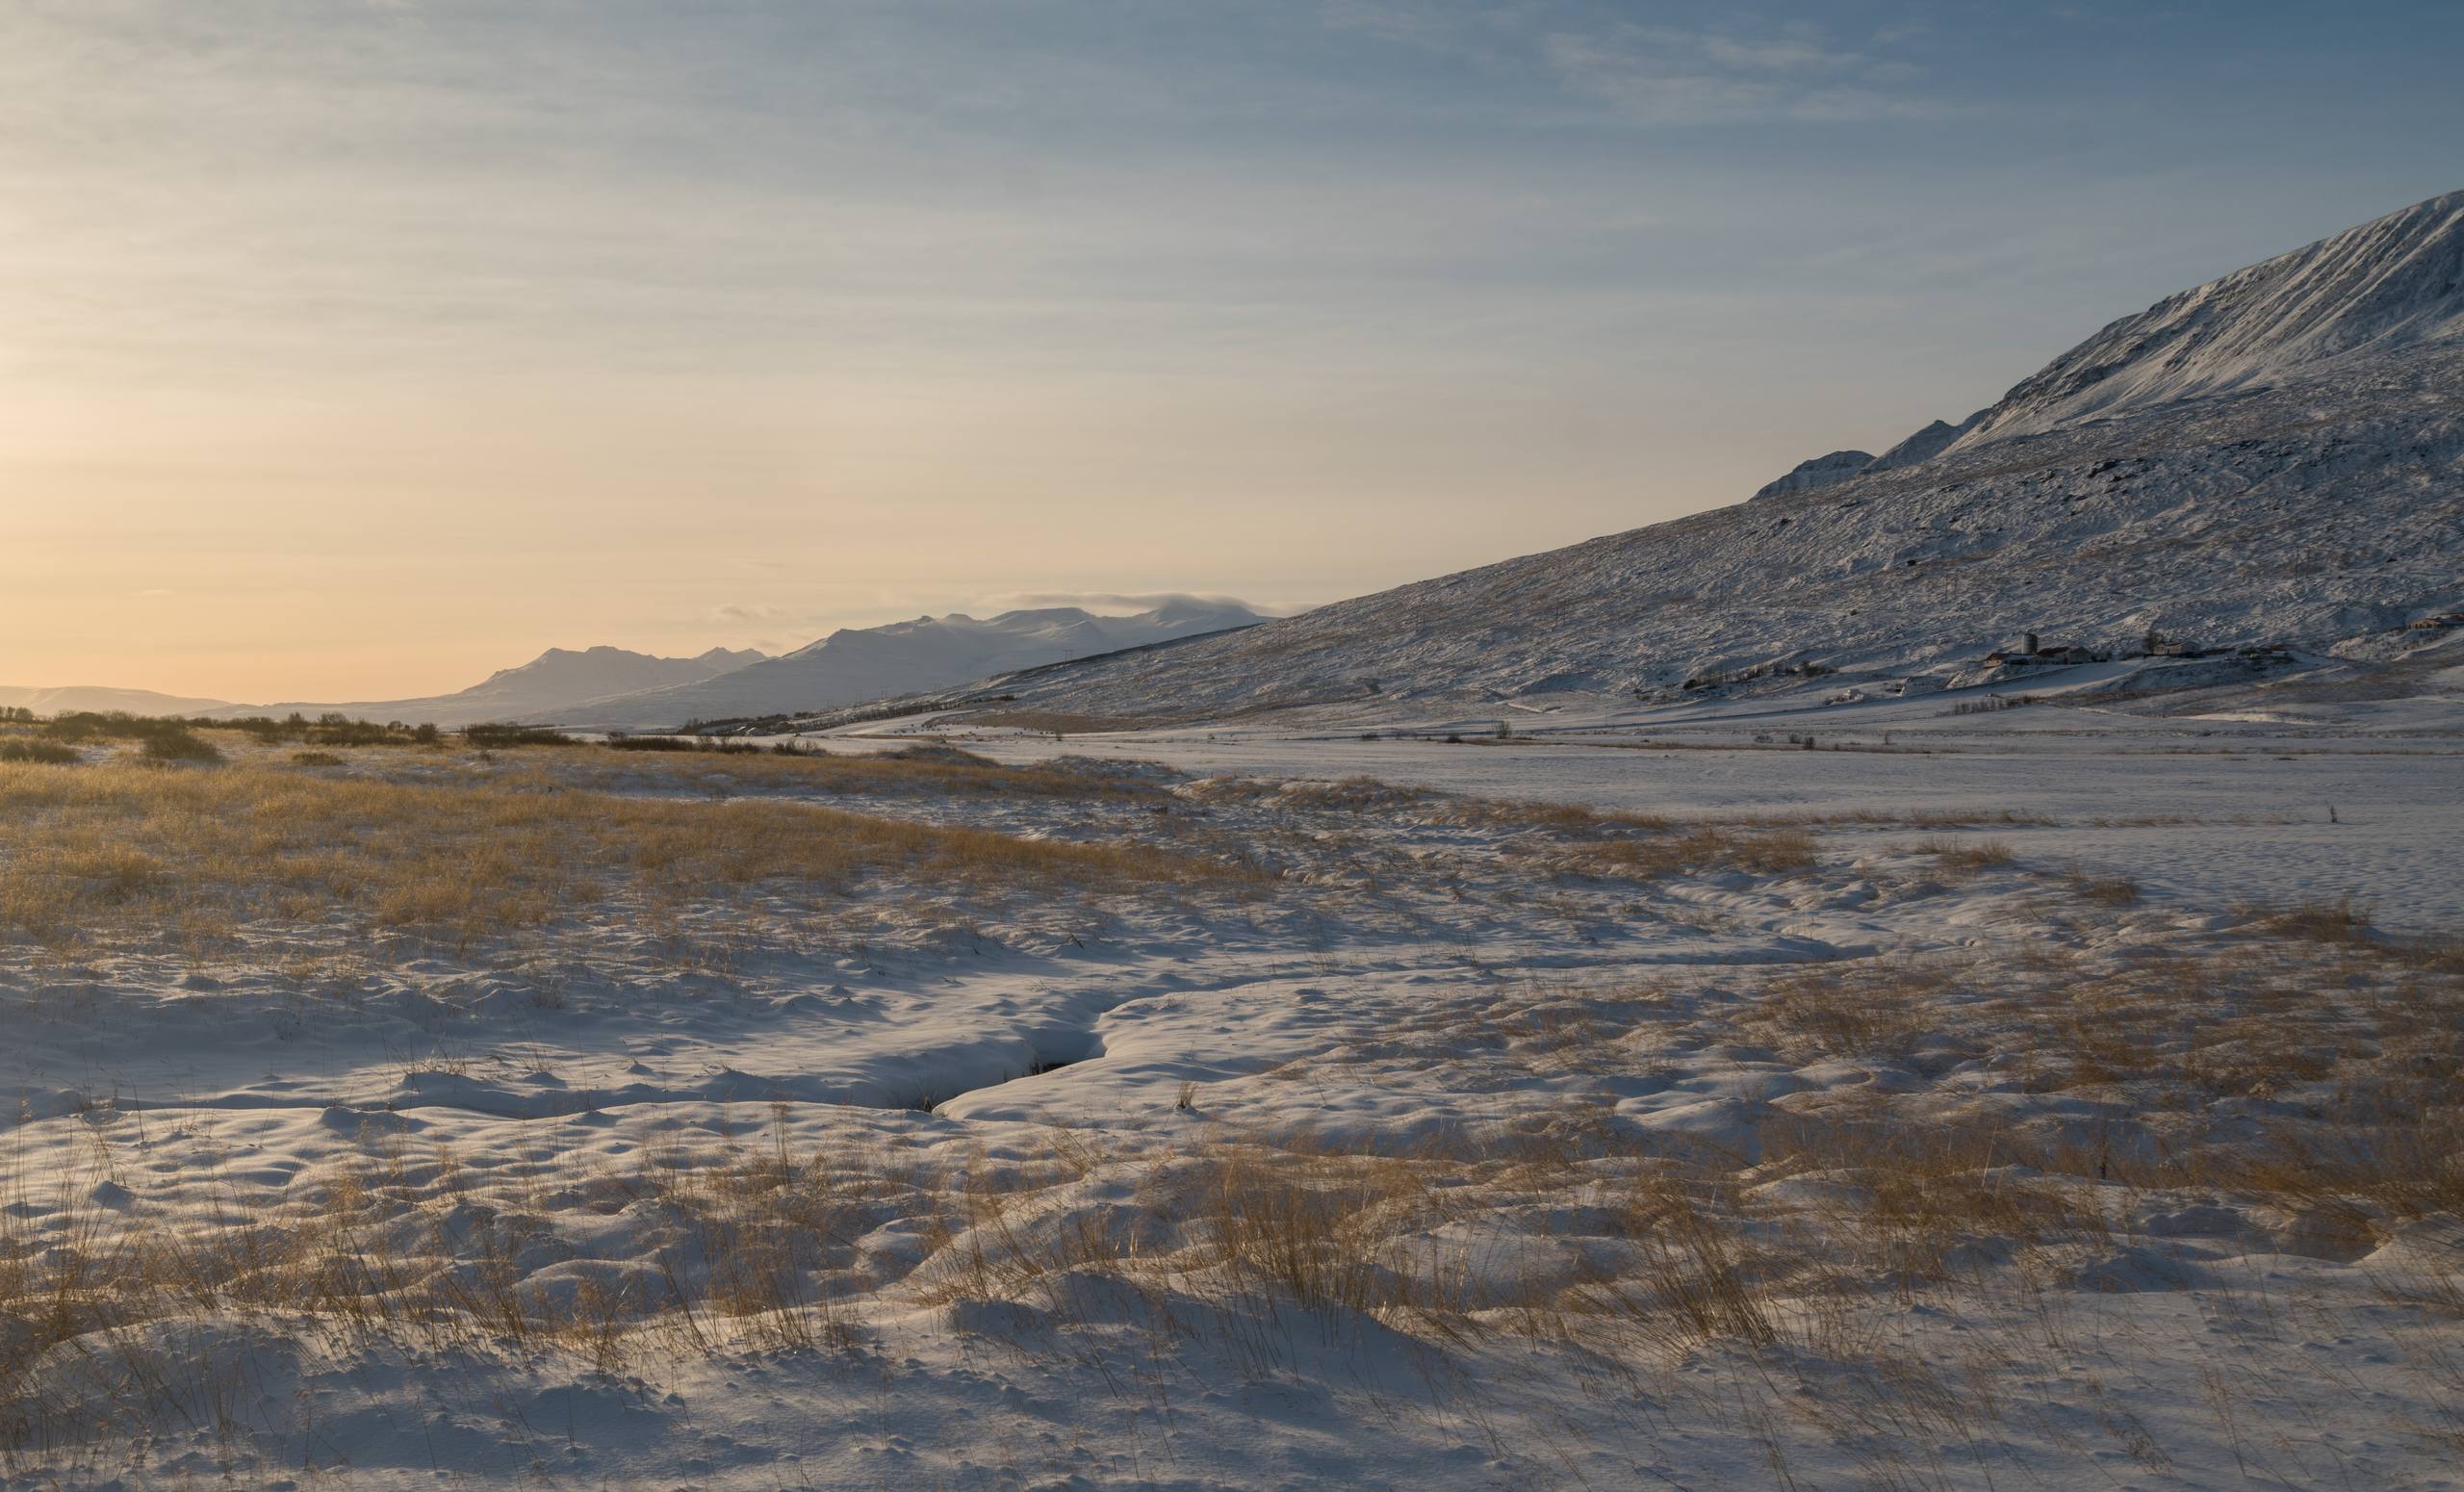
pixel 2390 283
pixel 557 677
pixel 567 674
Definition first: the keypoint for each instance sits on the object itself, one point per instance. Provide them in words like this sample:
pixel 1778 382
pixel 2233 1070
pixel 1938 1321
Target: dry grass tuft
pixel 1968 855
pixel 2341 921
pixel 1702 849
pixel 2103 890
pixel 1863 1010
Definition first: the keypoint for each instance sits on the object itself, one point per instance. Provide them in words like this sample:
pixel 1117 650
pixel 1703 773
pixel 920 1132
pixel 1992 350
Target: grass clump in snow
pixel 2341 919
pixel 1700 849
pixel 2102 890
pixel 1968 855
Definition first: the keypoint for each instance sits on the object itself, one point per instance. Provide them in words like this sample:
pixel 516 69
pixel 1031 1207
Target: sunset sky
pixel 352 350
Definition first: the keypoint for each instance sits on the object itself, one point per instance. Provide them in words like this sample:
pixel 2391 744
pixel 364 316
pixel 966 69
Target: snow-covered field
pixel 1631 1104
pixel 2249 818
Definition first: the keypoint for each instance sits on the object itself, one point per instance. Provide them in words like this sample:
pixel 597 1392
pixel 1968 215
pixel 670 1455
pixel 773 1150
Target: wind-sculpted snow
pixel 1839 1133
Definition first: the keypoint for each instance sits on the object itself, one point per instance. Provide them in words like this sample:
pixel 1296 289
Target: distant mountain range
pixel 73 698
pixel 556 679
pixel 611 688
pixel 855 665
pixel 2274 457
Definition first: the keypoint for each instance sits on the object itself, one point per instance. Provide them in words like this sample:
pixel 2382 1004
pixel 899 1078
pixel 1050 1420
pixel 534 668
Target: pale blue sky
pixel 674 325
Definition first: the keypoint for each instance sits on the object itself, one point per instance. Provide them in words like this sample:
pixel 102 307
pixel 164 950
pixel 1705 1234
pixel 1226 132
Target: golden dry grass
pixel 1856 1010
pixel 1700 849
pixel 2103 890
pixel 1968 855
pixel 938 772
pixel 120 849
pixel 2341 919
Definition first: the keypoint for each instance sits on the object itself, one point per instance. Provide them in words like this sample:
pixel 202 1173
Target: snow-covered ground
pixel 2022 1109
pixel 2254 818
pixel 2217 799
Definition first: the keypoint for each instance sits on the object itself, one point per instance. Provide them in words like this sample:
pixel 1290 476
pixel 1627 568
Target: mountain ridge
pixel 103 699
pixel 2316 501
pixel 558 677
pixel 925 652
pixel 2393 281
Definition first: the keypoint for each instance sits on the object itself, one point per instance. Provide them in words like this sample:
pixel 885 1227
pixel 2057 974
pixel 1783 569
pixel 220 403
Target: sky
pixel 357 348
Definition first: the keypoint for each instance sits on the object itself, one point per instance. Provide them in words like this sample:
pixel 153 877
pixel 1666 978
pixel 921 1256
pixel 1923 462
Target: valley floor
pixel 1642 1107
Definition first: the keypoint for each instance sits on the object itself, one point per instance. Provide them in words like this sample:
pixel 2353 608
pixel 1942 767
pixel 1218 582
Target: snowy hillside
pixel 2387 284
pixel 2111 495
pixel 71 698
pixel 902 657
pixel 557 678
pixel 1820 471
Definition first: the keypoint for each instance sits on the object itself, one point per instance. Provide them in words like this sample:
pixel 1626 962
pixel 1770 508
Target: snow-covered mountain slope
pixel 1923 446
pixel 1821 472
pixel 1829 470
pixel 78 697
pixel 903 657
pixel 555 680
pixel 2368 289
pixel 2321 502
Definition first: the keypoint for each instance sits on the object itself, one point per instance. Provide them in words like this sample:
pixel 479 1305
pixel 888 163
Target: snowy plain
pixel 1583 1131
pixel 2256 809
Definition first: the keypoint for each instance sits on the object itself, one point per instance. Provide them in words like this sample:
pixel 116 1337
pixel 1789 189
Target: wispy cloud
pixel 1431 27
pixel 1666 75
pixel 735 614
pixel 1699 77
pixel 1126 601
pixel 1655 73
